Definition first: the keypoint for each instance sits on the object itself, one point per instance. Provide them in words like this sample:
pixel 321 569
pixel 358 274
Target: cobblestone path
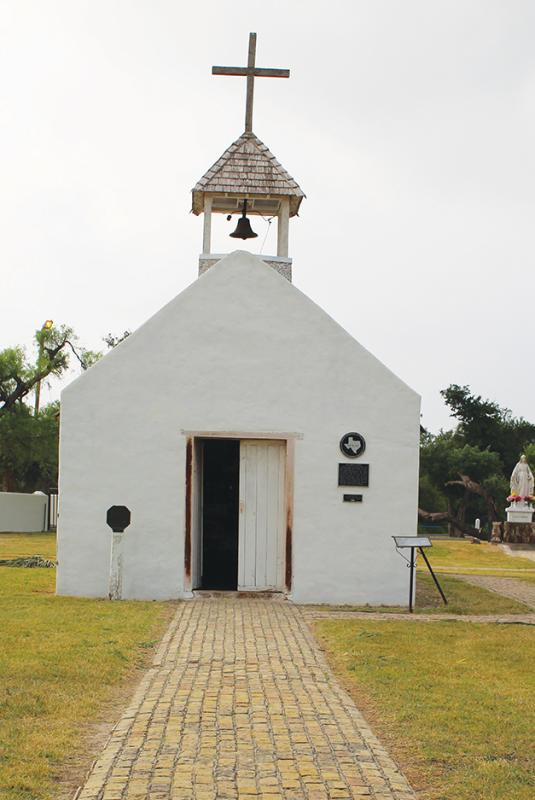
pixel 240 703
pixel 522 591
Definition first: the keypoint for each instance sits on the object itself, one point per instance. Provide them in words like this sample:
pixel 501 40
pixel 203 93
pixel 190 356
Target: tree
pixel 29 449
pixel 457 478
pixel 28 442
pixel 19 376
pixel 484 424
pixel 529 452
pixel 464 473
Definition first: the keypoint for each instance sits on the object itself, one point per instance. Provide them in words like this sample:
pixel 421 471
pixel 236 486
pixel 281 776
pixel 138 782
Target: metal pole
pixel 38 384
pixel 40 337
pixel 412 566
pixel 437 584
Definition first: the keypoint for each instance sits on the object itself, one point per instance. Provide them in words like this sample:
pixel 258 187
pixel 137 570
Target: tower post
pixel 207 228
pixel 283 227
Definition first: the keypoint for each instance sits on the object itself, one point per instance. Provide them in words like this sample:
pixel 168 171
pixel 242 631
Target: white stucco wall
pixel 20 512
pixel 239 350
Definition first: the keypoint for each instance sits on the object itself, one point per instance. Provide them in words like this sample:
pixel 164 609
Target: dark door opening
pixel 221 477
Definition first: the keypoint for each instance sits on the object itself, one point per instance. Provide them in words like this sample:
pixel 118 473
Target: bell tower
pixel 247 180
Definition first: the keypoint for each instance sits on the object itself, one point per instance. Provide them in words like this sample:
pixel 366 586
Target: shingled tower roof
pixel 248 168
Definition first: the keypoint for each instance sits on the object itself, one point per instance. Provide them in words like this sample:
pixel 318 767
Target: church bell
pixel 243 228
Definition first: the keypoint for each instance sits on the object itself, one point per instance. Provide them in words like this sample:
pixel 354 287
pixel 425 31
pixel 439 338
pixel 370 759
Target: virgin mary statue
pixel 522 479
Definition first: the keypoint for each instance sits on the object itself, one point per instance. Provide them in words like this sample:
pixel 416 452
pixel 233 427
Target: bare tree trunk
pixel 8 482
pixel 456 520
pixel 445 516
pixel 476 488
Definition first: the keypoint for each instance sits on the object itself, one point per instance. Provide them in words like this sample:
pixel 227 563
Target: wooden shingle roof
pixel 247 167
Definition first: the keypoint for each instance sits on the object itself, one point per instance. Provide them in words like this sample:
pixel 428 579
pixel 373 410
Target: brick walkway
pixel 523 591
pixel 240 703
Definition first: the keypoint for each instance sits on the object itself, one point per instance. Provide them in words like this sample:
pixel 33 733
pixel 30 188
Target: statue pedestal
pixel 520 512
pixel 518 532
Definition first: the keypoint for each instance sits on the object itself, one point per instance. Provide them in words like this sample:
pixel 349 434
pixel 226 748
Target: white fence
pixel 23 512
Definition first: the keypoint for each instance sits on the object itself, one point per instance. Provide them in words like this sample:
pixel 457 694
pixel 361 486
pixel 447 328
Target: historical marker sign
pixel 412 541
pixel 352 498
pixel 352 445
pixel 353 474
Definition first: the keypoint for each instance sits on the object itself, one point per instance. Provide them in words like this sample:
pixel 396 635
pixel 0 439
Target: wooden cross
pixel 251 72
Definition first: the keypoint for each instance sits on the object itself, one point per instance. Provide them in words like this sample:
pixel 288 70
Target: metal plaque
pixel 118 518
pixel 353 474
pixel 352 498
pixel 412 541
pixel 352 445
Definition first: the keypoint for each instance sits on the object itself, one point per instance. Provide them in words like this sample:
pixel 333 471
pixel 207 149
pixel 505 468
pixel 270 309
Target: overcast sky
pixel 409 125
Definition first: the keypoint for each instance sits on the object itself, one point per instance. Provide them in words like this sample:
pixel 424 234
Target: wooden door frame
pixel 289 440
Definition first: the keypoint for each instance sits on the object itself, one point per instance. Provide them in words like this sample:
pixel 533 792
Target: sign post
pixel 413 543
pixel 118 518
pixel 412 567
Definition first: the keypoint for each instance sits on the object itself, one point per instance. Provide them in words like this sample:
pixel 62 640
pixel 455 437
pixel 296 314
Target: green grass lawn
pixel 17 545
pixel 61 660
pixel 462 599
pixel 454 701
pixel 463 557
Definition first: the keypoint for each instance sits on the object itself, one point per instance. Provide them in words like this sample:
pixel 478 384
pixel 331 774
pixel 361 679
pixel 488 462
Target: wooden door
pixel 261 518
pixel 196 514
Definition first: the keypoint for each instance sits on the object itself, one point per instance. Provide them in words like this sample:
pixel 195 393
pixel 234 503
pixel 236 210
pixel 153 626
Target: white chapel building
pixel 248 441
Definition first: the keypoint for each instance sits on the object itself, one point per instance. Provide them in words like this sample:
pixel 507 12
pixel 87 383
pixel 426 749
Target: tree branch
pixel 24 387
pixel 82 363
pixel 476 488
pixel 445 516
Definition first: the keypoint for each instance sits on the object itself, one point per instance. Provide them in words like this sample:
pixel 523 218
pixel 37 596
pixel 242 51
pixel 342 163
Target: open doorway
pixel 220 513
pixel 238 513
